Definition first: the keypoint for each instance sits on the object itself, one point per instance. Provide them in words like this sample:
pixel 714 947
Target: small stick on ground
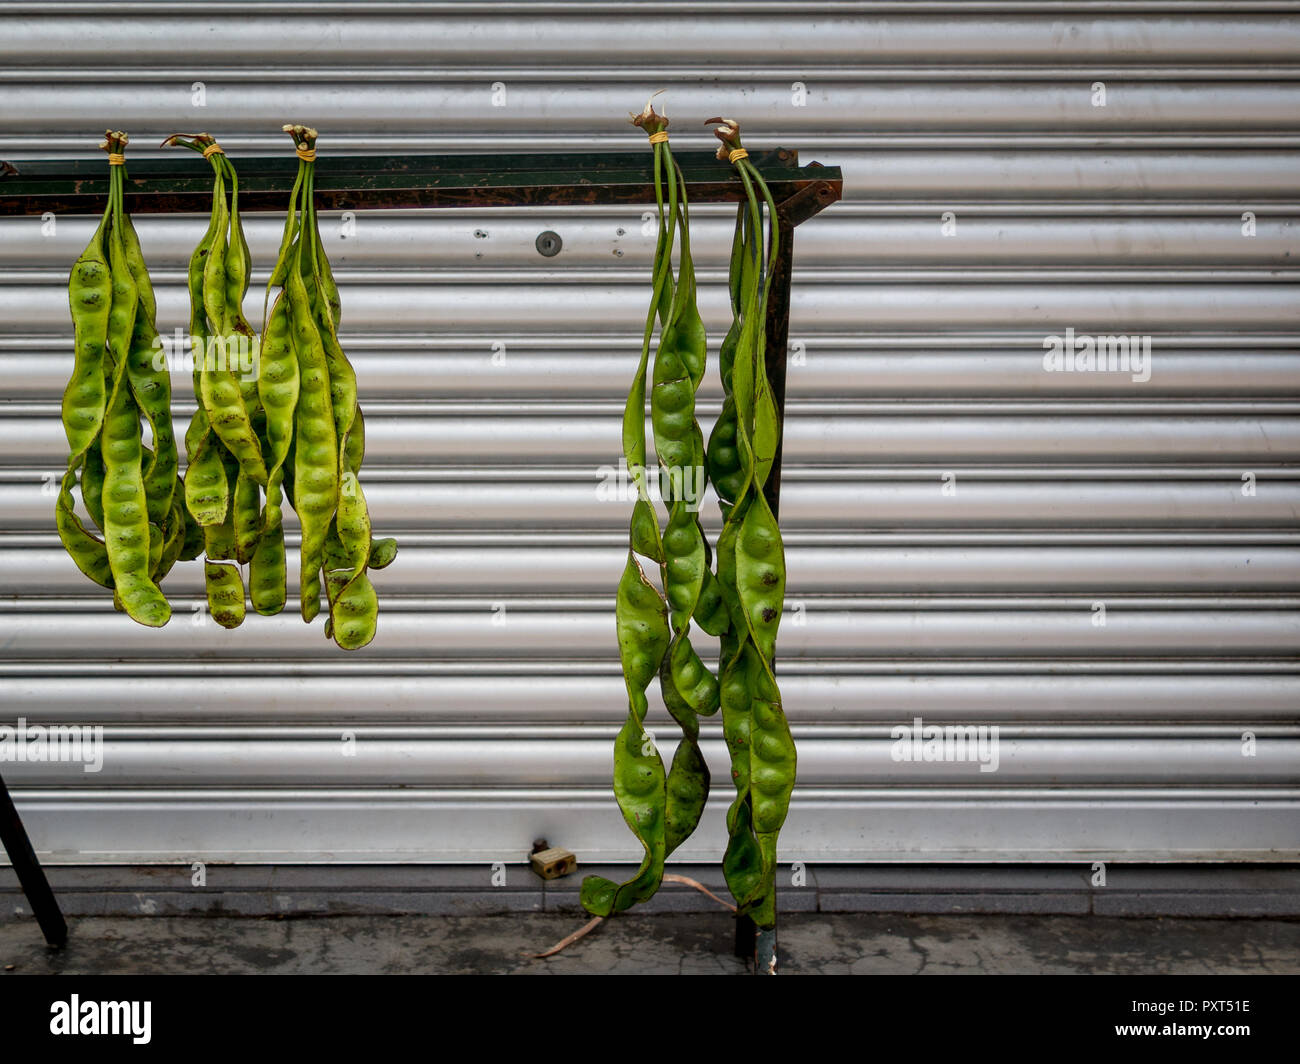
pixel 673 877
pixel 591 925
pixel 569 940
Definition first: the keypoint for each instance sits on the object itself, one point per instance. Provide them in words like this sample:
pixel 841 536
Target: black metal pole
pixel 30 874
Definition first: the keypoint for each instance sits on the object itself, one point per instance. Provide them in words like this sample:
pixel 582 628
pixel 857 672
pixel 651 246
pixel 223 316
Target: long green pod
pixel 767 419
pixel 89 553
pixel 277 386
pixel 90 295
pixel 111 301
pixel 127 535
pixel 220 389
pixel 325 307
pixel 663 808
pixel 239 271
pixel 316 464
pixel 199 333
pixel 85 399
pixel 751 572
pixel 639 778
pixel 207 493
pixel 641 617
pixel 151 388
pixel 354 606
pixel 92 484
pixel 689 689
pixel 126 521
pixel 284 257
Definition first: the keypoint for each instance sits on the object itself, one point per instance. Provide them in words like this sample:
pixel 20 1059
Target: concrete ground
pixel 666 943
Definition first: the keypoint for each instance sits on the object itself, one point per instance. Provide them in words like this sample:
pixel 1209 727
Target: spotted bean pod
pixel 639 778
pixel 751 563
pixel 128 489
pixel 277 387
pixel 663 809
pixel 316 464
pixel 126 520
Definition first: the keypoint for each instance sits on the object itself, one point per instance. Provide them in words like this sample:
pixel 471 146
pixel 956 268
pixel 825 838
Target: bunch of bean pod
pixel 314 431
pixel 751 558
pixel 130 490
pixel 292 427
pixel 225 472
pixel 663 809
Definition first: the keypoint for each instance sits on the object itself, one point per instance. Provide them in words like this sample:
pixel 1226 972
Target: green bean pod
pixel 219 386
pixel 87 551
pixel 689 690
pixel 316 464
pixel 85 398
pixel 90 295
pixel 751 563
pixel 126 523
pixel 245 513
pixel 92 484
pixel 225 590
pixel 354 606
pixel 151 388
pixel 663 809
pixel 113 385
pixel 174 534
pixel 277 386
pixel 207 489
pixel 313 299
pixel 639 779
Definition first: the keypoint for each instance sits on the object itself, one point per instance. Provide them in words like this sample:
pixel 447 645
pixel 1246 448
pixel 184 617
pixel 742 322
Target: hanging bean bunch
pixel 315 434
pixel 663 809
pixel 751 558
pixel 129 488
pixel 226 471
pixel 291 428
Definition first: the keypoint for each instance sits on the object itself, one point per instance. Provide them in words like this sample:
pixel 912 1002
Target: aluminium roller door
pixel 960 518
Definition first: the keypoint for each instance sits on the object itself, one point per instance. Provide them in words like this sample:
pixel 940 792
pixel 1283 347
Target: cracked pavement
pixel 669 943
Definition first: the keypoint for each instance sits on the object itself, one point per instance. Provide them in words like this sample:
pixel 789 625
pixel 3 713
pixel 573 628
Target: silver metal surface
pixel 961 519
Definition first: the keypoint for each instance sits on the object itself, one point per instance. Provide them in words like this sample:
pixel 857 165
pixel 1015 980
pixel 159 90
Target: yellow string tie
pixel 307 155
pixel 736 155
pixel 659 138
pixel 213 149
pixel 116 160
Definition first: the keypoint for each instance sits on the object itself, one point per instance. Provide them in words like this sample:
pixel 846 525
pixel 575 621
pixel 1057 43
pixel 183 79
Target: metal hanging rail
pixel 371 182
pixel 404 182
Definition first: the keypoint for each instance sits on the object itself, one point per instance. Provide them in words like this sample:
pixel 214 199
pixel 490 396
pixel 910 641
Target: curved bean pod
pixel 90 295
pixel 277 387
pixel 316 466
pixel 663 809
pixel 151 387
pixel 92 484
pixel 751 565
pixel 126 522
pixel 354 607
pixel 639 780
pixel 220 390
pixel 689 689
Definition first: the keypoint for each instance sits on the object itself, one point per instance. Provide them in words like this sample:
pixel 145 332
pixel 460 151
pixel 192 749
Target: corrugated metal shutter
pixel 955 512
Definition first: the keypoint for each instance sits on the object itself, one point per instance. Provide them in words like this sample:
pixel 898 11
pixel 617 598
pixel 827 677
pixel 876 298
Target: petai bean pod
pixel 751 560
pixel 118 383
pixel 662 808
